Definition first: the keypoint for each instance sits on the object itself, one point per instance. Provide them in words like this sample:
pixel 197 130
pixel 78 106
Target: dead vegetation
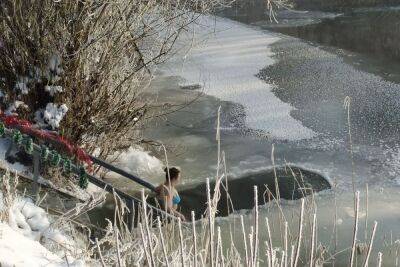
pixel 96 57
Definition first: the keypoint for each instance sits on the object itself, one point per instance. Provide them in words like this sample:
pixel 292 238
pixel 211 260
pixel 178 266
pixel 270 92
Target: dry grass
pixel 8 195
pixel 159 242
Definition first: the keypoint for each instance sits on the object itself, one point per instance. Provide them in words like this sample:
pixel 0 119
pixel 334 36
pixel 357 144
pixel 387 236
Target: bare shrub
pixel 81 66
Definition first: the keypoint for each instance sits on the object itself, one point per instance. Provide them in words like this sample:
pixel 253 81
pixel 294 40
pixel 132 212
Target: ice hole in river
pixel 293 183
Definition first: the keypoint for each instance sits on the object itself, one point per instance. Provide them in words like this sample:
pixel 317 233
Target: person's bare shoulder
pixel 162 190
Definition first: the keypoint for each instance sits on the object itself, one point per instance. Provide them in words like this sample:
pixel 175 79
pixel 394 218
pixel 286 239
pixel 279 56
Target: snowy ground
pixel 18 250
pixel 27 237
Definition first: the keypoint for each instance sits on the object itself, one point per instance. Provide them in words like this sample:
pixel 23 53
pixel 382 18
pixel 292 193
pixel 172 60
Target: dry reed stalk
pixel 210 223
pixel 355 230
pixel 335 231
pixel 275 175
pixel 162 241
pixel 370 244
pixel 194 240
pixel 285 244
pixel 100 254
pixel 282 217
pixel 144 244
pixel 148 234
pixel 268 254
pixel 255 259
pixel 228 201
pixel 181 242
pixel 271 248
pixel 251 234
pixel 380 255
pixel 244 241
pixel 116 234
pixel 314 225
pixel 292 254
pixel 347 106
pixel 296 259
pixel 218 139
pixel 366 212
pixel 217 250
pixel 221 248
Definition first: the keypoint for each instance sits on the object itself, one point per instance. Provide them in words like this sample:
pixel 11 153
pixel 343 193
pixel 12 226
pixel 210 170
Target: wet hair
pixel 173 173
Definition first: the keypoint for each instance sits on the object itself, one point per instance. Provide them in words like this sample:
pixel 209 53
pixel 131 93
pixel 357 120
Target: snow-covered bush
pixel 80 67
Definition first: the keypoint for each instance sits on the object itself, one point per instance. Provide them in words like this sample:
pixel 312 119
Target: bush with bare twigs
pixel 80 67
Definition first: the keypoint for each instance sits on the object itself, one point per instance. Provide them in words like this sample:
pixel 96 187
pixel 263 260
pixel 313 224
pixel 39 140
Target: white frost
pixel 55 65
pixel 14 106
pixel 53 114
pixel 22 85
pixel 53 89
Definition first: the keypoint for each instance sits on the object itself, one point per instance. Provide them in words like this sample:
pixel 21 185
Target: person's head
pixel 172 174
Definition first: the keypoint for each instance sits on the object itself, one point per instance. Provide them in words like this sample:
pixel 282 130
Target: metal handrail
pixel 123 173
pixel 99 182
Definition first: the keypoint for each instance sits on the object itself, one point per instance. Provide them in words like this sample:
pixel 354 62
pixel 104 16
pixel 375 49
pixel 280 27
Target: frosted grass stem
pixel 244 241
pixel 271 249
pixel 255 259
pixel 181 242
pixel 292 256
pixel 146 221
pixel 162 241
pixel 370 244
pixel 379 259
pixel 210 223
pixel 100 254
pixel 194 240
pixel 286 245
pixel 251 245
pixel 296 259
pixel 144 244
pixel 347 106
pixel 314 223
pixel 355 230
pixel 275 175
pixel 366 211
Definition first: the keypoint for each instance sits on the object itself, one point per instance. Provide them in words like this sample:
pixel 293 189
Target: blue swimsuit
pixel 176 199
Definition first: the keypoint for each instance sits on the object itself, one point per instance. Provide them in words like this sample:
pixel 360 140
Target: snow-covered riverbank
pixel 28 236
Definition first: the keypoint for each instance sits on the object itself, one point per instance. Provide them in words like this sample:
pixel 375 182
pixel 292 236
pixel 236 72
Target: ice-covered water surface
pixel 310 131
pixel 225 61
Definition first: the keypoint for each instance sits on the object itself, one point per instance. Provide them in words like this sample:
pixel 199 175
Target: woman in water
pixel 167 192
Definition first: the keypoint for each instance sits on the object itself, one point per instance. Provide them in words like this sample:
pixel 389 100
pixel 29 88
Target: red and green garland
pixel 26 127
